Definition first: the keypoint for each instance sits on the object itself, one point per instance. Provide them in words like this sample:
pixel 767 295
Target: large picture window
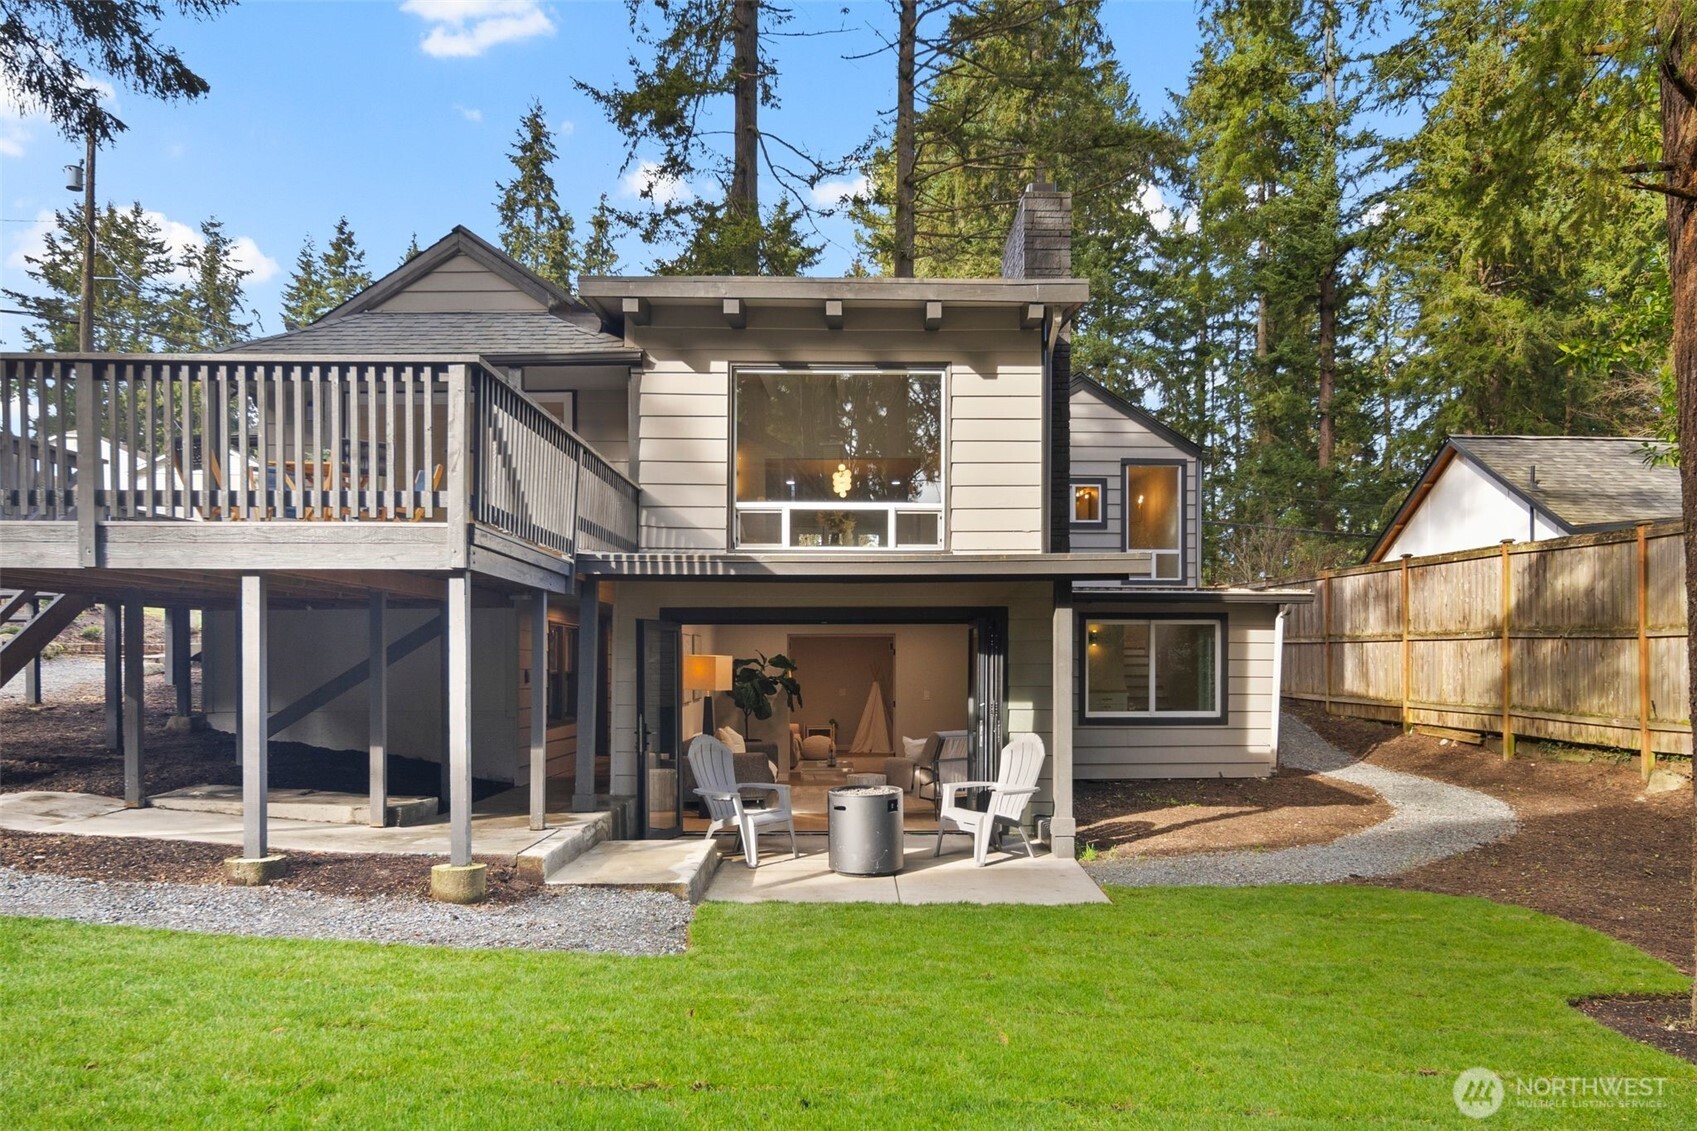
pixel 1146 669
pixel 1154 520
pixel 839 459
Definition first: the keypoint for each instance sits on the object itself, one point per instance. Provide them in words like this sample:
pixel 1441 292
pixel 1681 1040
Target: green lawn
pixel 1282 1006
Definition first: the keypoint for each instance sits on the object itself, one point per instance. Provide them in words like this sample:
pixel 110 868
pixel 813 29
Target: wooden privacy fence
pixel 1579 639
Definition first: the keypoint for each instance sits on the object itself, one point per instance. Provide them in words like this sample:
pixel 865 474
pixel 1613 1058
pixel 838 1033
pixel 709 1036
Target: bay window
pixel 1153 668
pixel 838 458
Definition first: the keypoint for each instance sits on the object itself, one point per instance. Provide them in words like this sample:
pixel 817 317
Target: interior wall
pixel 836 674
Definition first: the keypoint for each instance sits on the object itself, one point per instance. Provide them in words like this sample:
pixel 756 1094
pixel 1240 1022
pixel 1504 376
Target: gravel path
pixel 1433 820
pixel 67 675
pixel 585 919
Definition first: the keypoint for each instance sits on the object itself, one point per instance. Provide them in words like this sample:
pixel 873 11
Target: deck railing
pixel 218 439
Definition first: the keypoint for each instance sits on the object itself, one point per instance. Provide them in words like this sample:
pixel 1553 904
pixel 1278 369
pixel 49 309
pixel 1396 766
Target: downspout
pixel 1278 678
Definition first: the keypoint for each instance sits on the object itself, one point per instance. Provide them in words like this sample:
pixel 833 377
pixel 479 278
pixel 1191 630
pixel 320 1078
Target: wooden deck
pixel 213 466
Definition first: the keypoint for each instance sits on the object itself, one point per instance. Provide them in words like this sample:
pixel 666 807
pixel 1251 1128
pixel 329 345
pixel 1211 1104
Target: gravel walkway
pixel 586 919
pixel 1433 820
pixel 66 675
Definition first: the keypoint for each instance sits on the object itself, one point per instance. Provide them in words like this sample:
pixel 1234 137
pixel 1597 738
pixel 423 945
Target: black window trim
pixel 1183 466
pixel 1100 482
pixel 1081 642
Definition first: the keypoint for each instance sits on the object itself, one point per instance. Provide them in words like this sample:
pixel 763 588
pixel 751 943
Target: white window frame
pixel 891 511
pixel 1151 557
pixel 1121 718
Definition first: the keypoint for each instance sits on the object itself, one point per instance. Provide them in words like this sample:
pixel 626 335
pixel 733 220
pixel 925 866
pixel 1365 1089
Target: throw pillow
pixel 733 740
pixel 914 747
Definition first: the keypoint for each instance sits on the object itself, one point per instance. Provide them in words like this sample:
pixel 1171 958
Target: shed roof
pixel 1580 483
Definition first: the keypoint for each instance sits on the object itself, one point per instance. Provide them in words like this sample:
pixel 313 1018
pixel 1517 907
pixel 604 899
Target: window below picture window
pixel 1154 520
pixel 1148 669
pixel 562 674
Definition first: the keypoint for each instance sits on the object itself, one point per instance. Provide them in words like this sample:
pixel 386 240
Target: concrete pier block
pixel 459 883
pixel 253 872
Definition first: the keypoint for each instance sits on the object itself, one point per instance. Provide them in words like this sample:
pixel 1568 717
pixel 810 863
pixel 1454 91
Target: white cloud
pixel 469 113
pixel 829 194
pixel 646 177
pixel 565 127
pixel 178 236
pixel 461 29
pixel 1161 215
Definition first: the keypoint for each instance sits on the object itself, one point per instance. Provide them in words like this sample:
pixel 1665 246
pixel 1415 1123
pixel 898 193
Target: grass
pixel 1170 1008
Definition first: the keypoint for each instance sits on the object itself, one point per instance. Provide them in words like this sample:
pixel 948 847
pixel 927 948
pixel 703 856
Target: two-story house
pixel 535 508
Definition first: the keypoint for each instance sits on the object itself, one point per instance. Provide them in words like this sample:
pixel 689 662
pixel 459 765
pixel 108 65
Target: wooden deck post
pixel 1507 660
pixel 377 701
pixel 1063 825
pixel 1326 632
pixel 113 634
pixel 135 635
pixel 458 647
pixel 589 720
pixel 539 711
pixel 177 659
pixel 1646 752
pixel 32 670
pixel 91 471
pixel 254 735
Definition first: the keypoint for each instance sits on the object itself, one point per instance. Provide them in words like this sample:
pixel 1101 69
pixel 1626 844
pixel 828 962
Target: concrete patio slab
pixel 683 868
pixel 492 834
pixel 317 805
pixel 950 878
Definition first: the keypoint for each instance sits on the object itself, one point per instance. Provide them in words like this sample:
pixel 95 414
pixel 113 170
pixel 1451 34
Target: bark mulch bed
pixel 1592 848
pixel 61 747
pixel 1662 1021
pixel 1174 818
pixel 191 862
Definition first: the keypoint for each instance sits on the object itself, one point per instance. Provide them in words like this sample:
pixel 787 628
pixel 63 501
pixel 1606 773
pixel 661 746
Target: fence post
pixel 1326 632
pixel 1407 724
pixel 1508 666
pixel 1646 753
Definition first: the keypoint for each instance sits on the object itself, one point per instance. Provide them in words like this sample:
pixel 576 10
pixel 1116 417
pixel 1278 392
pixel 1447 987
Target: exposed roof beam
pixel 736 314
pixel 933 315
pixel 834 313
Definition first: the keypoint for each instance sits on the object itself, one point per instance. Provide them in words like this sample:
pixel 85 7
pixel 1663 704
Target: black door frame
pixel 673 740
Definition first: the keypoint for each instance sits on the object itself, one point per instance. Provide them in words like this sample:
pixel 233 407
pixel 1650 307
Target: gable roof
pixel 1583 483
pixel 564 329
pixel 1142 416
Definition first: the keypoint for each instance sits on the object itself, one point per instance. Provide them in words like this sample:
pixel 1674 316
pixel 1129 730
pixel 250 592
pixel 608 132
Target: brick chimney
pixel 1040 242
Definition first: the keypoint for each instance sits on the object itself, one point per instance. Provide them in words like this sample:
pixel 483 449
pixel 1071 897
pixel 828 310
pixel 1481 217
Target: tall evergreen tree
pixel 343 267
pixel 305 298
pixel 213 310
pixel 535 230
pixel 600 257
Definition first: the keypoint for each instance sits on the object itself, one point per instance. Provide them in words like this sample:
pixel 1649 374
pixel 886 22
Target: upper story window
pixel 1154 519
pixel 839 459
pixel 1090 502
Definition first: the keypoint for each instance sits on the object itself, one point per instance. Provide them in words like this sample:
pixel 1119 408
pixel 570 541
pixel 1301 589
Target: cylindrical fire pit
pixel 866 830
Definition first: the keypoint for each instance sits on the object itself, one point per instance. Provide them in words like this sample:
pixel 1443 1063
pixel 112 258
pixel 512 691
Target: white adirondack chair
pixel 715 773
pixel 1016 781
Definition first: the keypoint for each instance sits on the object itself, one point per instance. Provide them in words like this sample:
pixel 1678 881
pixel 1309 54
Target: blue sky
pixel 399 115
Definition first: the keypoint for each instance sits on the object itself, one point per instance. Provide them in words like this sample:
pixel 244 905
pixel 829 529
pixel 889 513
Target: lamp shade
pixel 707 673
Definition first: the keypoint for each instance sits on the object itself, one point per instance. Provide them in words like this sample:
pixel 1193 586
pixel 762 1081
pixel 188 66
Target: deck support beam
pixel 135 635
pixel 589 722
pixel 113 634
pixel 253 736
pixel 458 648
pixel 539 711
pixel 177 660
pixel 378 704
pixel 1063 827
pixel 32 670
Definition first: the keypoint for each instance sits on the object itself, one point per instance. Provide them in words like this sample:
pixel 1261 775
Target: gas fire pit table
pixel 865 825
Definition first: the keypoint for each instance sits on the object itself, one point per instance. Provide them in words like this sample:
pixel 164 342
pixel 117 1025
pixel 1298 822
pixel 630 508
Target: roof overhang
pixel 878 566
pixel 615 298
pixel 1087 594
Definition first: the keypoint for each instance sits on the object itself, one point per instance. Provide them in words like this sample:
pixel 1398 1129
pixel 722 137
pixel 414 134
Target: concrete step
pixel 322 806
pixel 683 868
pixel 574 835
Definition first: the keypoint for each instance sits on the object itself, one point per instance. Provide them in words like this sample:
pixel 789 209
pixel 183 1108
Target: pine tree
pixel 412 251
pixel 305 298
pixel 600 257
pixel 213 305
pixel 535 230
pixel 343 266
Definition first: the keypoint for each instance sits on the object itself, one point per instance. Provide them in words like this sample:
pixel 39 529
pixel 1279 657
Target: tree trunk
pixel 905 156
pixel 743 201
pixel 1679 149
pixel 1328 389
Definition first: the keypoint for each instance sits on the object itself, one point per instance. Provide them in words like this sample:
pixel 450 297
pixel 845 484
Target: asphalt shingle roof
pixel 492 334
pixel 1586 482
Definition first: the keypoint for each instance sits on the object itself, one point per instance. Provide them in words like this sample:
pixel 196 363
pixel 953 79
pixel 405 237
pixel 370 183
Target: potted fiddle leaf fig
pixel 755 682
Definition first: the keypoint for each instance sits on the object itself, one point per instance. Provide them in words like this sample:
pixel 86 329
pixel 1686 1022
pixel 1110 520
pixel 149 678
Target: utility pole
pixel 85 313
pixel 902 258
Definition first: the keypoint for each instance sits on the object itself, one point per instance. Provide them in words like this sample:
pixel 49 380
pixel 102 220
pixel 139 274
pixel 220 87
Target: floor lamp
pixel 707 674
